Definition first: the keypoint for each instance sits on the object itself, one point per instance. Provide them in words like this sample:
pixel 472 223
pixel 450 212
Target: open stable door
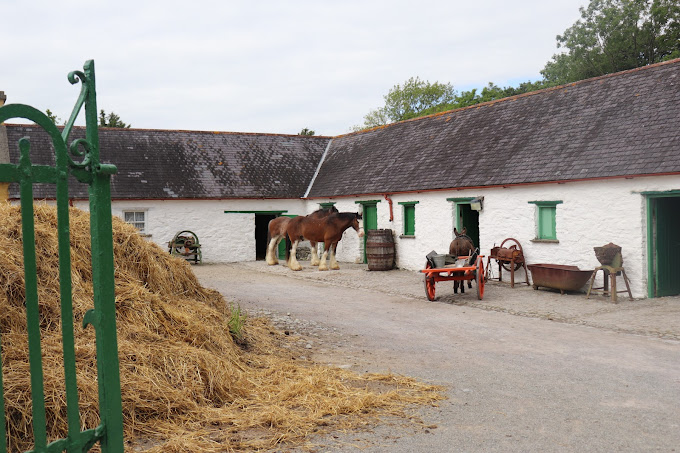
pixel 665 246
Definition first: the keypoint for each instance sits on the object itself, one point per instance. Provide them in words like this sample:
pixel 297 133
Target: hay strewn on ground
pixel 186 386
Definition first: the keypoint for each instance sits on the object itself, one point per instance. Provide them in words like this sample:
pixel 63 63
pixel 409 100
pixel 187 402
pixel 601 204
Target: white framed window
pixel 136 218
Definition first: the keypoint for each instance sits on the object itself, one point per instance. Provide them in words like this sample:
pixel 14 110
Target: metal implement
pixel 611 262
pixel 109 433
pixel 185 244
pixel 510 258
pixel 437 271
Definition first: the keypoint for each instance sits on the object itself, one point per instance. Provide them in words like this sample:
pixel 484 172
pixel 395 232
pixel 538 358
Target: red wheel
pixel 429 284
pixel 480 279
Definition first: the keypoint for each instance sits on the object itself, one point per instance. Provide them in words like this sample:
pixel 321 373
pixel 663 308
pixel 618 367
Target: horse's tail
pixel 288 242
pixel 269 232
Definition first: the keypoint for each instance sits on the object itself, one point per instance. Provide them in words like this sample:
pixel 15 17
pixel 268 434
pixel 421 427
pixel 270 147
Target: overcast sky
pixel 263 65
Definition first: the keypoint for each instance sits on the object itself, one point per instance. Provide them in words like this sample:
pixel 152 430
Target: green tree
pixel 111 120
pixel 615 35
pixel 374 118
pixel 414 97
pixel 306 131
pixel 52 116
pixel 417 98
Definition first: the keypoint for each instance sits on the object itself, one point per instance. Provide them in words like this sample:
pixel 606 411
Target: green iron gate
pixel 102 317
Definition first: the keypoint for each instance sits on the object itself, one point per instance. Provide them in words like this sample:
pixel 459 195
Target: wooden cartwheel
pixel 510 258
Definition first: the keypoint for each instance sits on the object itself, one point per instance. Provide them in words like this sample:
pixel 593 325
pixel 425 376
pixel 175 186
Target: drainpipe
pixel 389 201
pixel 4 151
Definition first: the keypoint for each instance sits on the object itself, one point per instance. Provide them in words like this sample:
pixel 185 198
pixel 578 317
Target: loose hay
pixel 186 386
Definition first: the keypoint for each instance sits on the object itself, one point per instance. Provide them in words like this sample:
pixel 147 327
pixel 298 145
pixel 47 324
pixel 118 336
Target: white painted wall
pixel 225 237
pixel 591 214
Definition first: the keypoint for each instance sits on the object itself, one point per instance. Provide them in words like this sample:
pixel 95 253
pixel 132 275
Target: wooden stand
pixel 610 273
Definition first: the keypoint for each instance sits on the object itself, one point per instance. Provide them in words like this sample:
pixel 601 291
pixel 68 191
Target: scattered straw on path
pixel 186 385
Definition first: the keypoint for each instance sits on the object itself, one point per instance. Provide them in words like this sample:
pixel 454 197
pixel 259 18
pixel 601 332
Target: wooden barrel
pixel 379 250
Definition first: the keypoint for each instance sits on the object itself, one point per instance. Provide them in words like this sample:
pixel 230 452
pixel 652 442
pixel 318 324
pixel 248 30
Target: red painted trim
pixel 557 181
pixel 373 194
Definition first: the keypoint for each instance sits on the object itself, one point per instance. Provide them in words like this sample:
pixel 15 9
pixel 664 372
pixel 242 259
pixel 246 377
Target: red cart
pixel 465 273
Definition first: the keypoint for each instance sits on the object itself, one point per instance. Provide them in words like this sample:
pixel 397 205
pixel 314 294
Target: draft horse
pixel 328 230
pixel 277 231
pixel 462 245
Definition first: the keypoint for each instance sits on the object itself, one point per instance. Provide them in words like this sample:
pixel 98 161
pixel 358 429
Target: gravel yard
pixel 525 370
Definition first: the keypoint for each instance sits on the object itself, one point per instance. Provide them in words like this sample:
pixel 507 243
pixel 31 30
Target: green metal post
pixel 101 232
pixel 103 317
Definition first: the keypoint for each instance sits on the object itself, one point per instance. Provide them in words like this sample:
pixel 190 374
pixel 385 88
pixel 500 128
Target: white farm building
pixel 561 170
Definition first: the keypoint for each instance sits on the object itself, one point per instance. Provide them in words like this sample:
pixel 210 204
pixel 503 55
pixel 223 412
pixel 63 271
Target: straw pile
pixel 186 386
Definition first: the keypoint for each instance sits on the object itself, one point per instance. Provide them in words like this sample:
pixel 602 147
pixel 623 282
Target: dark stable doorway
pixel 261 238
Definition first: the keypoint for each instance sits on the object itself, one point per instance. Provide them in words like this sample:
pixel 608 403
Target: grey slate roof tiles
pixel 623 124
pixel 618 125
pixel 162 164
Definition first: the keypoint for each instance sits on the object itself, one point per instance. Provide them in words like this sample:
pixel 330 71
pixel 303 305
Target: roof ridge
pixel 185 131
pixel 518 96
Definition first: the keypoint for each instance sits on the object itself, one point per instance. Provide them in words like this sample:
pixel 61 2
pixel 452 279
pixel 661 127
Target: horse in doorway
pixel 462 246
pixel 277 231
pixel 328 230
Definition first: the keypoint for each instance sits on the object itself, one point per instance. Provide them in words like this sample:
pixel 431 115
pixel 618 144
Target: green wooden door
pixel 667 246
pixel 468 218
pixel 370 215
pixel 284 242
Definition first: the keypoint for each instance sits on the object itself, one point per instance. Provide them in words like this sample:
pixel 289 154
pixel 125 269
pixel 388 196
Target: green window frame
pixel 546 225
pixel 326 205
pixel 409 217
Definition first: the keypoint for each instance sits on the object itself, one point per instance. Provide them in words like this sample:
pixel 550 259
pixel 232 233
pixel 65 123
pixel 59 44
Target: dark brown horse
pixel 327 230
pixel 277 231
pixel 461 246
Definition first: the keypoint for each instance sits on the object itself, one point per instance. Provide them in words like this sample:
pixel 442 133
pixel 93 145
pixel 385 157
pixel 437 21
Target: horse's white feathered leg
pixel 315 254
pixel 292 261
pixel 322 264
pixel 334 262
pixel 272 248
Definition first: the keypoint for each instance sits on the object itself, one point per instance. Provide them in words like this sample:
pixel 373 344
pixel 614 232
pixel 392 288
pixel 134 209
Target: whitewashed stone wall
pixel 225 237
pixel 591 214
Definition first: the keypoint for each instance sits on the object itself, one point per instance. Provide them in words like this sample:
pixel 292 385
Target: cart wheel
pixel 480 279
pixel 429 284
pixel 506 266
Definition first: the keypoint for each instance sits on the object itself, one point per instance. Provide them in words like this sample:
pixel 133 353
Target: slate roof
pixel 163 164
pixel 617 125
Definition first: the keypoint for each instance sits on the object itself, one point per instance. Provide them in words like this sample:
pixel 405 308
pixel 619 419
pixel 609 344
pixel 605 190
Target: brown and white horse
pixel 328 230
pixel 277 231
pixel 461 246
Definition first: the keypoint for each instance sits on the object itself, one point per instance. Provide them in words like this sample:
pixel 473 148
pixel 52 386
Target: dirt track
pixel 525 370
